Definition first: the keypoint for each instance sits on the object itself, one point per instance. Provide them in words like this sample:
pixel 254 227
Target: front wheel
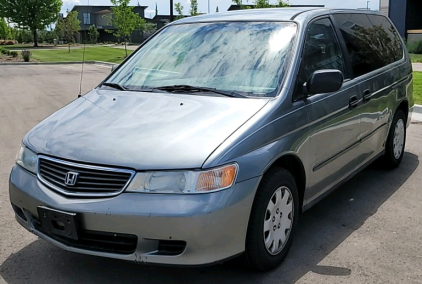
pixel 396 140
pixel 273 220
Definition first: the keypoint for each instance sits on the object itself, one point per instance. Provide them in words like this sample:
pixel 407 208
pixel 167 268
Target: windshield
pixel 242 57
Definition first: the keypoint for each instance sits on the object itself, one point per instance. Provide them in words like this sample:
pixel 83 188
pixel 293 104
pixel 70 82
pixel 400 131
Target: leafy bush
pixel 26 55
pixel 4 51
pixel 13 53
pixel 415 47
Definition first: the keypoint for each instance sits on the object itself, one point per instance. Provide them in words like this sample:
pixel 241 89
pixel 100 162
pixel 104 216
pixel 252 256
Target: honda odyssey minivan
pixel 210 140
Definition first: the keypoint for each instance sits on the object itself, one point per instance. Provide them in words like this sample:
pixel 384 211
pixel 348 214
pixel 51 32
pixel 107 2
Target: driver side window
pixel 321 51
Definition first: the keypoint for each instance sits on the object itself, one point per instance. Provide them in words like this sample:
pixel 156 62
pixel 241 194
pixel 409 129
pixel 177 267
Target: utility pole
pixel 208 6
pixel 367 5
pixel 171 11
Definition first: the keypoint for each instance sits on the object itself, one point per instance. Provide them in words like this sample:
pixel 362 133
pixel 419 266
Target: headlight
pixel 184 181
pixel 27 159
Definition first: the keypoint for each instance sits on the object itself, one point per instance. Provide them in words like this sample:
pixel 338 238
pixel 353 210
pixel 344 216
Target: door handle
pixel 353 102
pixel 367 95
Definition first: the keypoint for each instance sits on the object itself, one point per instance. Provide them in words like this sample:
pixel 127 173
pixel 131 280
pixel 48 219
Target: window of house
pixel 87 18
pixel 321 51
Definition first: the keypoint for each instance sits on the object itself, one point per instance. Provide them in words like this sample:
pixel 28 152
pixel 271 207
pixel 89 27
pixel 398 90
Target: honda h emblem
pixel 71 178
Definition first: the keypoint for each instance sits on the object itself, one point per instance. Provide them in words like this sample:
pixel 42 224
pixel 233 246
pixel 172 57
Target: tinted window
pixel 321 51
pixel 389 41
pixel 372 43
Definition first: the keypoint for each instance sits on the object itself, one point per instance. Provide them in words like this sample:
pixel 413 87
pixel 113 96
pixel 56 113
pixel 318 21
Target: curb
pixel 417 108
pixel 59 63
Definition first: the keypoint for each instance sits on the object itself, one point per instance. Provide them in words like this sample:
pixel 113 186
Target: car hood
pixel 144 131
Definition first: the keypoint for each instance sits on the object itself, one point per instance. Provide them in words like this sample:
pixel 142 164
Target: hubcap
pixel 278 220
pixel 398 140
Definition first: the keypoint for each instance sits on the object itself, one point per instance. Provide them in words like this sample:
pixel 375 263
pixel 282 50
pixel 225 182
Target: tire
pixel 277 184
pixel 396 140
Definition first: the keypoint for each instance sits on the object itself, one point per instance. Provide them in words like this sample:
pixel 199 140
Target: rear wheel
pixel 273 220
pixel 396 140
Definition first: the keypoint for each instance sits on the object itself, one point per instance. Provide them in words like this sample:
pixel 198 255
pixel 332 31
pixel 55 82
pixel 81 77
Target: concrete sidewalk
pixel 417 113
pixel 417 67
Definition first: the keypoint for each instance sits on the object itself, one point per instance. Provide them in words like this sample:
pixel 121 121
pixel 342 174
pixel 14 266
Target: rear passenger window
pixel 371 41
pixel 390 44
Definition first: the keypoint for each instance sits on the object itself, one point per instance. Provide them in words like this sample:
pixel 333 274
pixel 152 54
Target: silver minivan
pixel 209 141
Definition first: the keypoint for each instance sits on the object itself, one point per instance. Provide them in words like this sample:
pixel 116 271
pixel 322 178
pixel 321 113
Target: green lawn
pixel 101 53
pixel 416 57
pixel 417 87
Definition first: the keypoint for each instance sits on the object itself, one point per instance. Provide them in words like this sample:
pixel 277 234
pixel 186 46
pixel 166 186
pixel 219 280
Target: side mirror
pixel 114 67
pixel 324 81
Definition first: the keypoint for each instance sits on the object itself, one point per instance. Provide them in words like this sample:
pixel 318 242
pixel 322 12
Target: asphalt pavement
pixel 368 231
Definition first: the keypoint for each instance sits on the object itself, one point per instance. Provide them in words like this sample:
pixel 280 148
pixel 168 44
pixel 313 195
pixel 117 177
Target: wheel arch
pixel 294 165
pixel 403 106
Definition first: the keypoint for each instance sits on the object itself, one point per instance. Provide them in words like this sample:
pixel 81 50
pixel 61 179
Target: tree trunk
pixel 125 48
pixel 34 32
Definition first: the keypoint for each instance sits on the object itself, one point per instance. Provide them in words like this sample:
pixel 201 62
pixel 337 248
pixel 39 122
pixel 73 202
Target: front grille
pixel 95 240
pixel 90 181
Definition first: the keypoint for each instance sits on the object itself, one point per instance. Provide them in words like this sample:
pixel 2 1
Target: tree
pixel 68 27
pixel 93 34
pixel 179 10
pixel 282 3
pixel 124 20
pixel 23 36
pixel 193 7
pixel 238 3
pixel 216 10
pixel 156 9
pixel 262 4
pixel 14 32
pixel 31 14
pixel 5 32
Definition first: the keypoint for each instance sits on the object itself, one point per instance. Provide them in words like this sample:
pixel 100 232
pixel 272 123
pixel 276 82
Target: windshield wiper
pixel 115 86
pixel 188 88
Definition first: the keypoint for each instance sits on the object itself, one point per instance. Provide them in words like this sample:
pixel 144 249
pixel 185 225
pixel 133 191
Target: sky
pixel 223 5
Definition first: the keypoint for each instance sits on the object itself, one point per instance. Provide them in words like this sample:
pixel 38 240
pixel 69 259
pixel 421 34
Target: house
pixel 160 20
pixel 406 16
pixel 235 7
pixel 99 16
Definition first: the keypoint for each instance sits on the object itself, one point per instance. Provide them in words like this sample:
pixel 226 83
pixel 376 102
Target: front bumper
pixel 213 225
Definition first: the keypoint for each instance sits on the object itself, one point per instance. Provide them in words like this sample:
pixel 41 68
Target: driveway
pixel 368 231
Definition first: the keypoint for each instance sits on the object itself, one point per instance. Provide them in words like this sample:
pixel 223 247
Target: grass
pixel 416 57
pixel 102 53
pixel 417 87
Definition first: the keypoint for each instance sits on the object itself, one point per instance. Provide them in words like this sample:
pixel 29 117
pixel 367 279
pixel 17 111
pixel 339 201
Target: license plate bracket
pixel 58 222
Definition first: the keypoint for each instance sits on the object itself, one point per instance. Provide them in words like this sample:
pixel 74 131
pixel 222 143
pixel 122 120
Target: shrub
pixel 13 53
pixel 26 55
pixel 415 47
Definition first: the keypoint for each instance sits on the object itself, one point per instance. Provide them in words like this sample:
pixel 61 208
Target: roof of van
pixel 270 14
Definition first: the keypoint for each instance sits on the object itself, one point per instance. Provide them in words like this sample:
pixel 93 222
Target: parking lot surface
pixel 368 231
